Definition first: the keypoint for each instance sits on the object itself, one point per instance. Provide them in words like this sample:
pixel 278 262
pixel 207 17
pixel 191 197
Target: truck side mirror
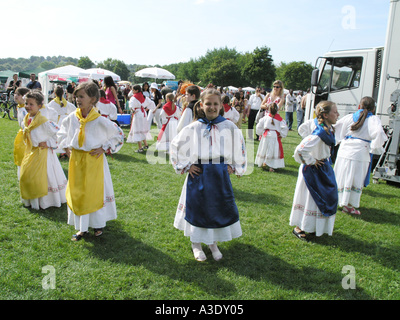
pixel 314 78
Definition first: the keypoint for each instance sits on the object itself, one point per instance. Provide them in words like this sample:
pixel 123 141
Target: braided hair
pixel 324 107
pixel 367 105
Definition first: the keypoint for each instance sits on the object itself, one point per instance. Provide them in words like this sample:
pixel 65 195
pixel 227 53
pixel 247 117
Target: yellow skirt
pixel 19 148
pixel 33 180
pixel 85 188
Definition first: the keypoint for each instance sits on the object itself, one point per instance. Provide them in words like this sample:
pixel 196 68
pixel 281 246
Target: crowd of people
pixel 201 131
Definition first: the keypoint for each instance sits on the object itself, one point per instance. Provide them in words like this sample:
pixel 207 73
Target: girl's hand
pixel 230 170
pixel 318 163
pixel 68 152
pixel 97 152
pixel 43 145
pixel 194 170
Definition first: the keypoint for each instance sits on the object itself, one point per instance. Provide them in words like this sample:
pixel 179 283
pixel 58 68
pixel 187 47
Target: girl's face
pixel 277 87
pixel 332 116
pixel 83 100
pixel 211 106
pixel 18 98
pixel 32 107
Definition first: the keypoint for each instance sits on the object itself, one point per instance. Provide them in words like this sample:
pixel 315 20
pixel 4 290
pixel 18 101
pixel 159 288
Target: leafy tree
pixel 85 63
pixel 259 68
pixel 295 75
pixel 116 66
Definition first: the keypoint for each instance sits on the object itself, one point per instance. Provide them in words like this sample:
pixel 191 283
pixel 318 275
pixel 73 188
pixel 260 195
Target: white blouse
pixel 100 132
pixel 194 142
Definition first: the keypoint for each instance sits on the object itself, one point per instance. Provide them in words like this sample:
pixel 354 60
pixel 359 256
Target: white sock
pixel 198 252
pixel 217 255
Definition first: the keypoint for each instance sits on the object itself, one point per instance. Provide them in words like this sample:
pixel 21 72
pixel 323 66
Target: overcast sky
pixel 162 32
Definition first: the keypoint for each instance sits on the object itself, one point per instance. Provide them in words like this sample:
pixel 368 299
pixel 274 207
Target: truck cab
pixel 344 77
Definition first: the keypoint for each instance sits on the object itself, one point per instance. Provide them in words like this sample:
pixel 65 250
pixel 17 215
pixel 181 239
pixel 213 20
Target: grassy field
pixel 142 256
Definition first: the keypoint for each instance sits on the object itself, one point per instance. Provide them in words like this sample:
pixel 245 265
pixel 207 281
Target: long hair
pixel 367 105
pixel 324 107
pixel 59 92
pixel 109 82
pixel 273 110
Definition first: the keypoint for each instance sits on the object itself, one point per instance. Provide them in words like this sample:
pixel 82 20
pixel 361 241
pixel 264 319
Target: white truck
pixel 344 77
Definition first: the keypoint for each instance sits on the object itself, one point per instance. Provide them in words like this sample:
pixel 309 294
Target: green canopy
pixel 4 75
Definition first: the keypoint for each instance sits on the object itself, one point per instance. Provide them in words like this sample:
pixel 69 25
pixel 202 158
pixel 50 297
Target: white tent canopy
pixel 100 74
pixel 249 89
pixel 70 72
pixel 156 73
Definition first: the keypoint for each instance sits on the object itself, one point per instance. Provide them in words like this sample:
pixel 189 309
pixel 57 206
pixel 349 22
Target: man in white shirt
pixel 299 109
pixel 254 105
pixel 289 108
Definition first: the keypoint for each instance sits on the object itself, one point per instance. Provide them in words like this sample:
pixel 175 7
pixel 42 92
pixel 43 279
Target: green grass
pixel 142 256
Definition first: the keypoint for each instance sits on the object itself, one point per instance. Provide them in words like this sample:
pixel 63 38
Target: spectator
pixel 34 84
pixel 299 110
pixel 254 106
pixel 289 108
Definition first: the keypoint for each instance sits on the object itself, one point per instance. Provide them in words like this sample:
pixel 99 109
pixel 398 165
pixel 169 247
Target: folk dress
pixel 352 166
pixel 270 151
pixel 169 119
pixel 62 112
pixel 140 128
pixel 230 113
pixel 56 179
pixel 207 211
pixel 187 116
pixel 305 213
pixel 107 109
pixel 103 133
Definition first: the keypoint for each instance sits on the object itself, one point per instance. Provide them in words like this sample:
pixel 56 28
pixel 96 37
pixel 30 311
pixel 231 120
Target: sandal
pixel 98 232
pixel 301 235
pixel 351 210
pixel 78 236
pixel 139 150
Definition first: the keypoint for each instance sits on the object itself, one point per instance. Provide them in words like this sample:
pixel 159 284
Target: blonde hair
pixel 324 107
pixel 198 112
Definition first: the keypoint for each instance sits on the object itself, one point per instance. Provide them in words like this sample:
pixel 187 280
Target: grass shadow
pixel 118 246
pixel 387 256
pixel 260 266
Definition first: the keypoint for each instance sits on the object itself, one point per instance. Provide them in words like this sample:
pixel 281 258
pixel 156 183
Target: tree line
pixel 220 66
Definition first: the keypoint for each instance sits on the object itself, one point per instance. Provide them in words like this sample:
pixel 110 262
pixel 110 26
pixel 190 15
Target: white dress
pixel 232 115
pixel 190 146
pixel 107 110
pixel 103 133
pixel 170 131
pixel 62 112
pixel 353 159
pixel 305 213
pixel 56 179
pixel 268 151
pixel 185 119
pixel 140 128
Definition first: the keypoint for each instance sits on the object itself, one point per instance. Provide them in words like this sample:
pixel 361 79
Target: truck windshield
pixel 340 74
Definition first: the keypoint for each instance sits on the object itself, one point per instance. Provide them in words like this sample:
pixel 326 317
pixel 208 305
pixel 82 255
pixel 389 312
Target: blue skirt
pixel 321 183
pixel 210 202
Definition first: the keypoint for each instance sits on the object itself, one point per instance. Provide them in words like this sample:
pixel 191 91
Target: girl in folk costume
pixel 192 95
pixel 169 118
pixel 271 129
pixel 19 98
pixel 361 135
pixel 315 197
pixel 42 179
pixel 106 108
pixel 86 136
pixel 230 113
pixel 140 128
pixel 209 150
pixel 60 105
pixel 19 145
